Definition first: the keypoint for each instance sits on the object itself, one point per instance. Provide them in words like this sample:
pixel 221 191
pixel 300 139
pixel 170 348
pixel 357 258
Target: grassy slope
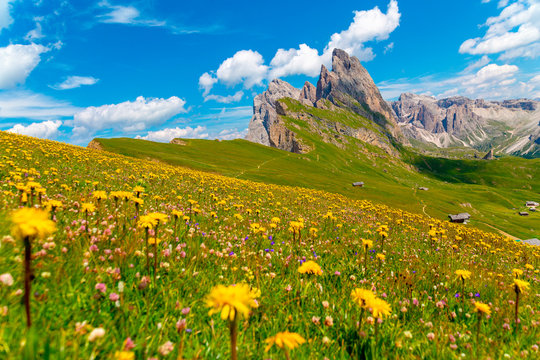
pixel 492 188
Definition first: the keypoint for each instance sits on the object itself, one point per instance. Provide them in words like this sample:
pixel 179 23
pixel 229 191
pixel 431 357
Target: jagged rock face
pixel 308 94
pixel 264 111
pixel 350 84
pixel 513 126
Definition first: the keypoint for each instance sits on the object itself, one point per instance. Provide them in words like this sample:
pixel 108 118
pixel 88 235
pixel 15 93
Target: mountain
pixel 345 103
pixel 509 126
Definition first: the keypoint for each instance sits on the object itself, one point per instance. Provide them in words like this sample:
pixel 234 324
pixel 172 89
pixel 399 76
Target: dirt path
pixel 501 232
pixel 261 164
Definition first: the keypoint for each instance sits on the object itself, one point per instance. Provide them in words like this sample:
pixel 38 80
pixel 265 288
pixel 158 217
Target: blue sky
pixel 75 70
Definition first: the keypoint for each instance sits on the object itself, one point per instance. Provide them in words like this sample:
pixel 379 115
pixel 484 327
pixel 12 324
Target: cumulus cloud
pixel 5 17
pixel 247 66
pixel 303 60
pixel 44 130
pixel 17 62
pixel 73 82
pixel 225 99
pixel 492 74
pixel 492 81
pixel 367 25
pixel 166 135
pixel 206 82
pixel 230 134
pixel 515 32
pixel 127 116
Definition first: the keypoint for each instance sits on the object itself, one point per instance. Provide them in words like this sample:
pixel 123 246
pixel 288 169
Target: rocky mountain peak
pixel 350 84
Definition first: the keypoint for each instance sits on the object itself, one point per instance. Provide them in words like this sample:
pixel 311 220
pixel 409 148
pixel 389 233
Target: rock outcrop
pixel 510 126
pixel 264 111
pixel 348 86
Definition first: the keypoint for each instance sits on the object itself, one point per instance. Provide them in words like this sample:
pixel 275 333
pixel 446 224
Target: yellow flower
pixel 159 217
pixel 147 222
pixel 52 205
pixel 381 257
pixel 367 244
pixel 31 222
pixel 275 220
pixel 153 241
pixel 177 214
pixel 517 272
pixel 124 355
pixel 88 207
pixel 284 340
pixel 99 195
pixel 463 274
pixel 362 297
pixel 520 285
pixel 231 300
pixel 379 308
pixel 529 267
pixel 310 267
pixel 482 308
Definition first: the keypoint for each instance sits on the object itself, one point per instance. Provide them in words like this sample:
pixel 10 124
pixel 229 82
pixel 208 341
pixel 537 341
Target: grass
pixel 92 295
pixel 496 190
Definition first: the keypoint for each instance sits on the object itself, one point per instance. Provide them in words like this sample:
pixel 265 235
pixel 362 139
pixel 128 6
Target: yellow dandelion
pixel 231 301
pixel 310 267
pixel 362 297
pixel 482 308
pixel 32 223
pixel 284 340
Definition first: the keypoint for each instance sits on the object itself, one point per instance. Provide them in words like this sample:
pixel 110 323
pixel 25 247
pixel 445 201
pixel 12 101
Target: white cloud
pixel 225 99
pixel 166 135
pixel 515 32
pixel 304 60
pixel 491 74
pixel 535 80
pixel 230 134
pixel 29 105
pixel 37 32
pixel 17 62
pixel 128 15
pixel 5 17
pixel 483 61
pixel 44 130
pixel 247 66
pixel 206 82
pixel 490 82
pixel 73 82
pixel 367 25
pixel 127 116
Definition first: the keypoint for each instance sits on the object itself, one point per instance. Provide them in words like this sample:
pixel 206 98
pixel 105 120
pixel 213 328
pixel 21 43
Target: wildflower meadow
pixel 109 257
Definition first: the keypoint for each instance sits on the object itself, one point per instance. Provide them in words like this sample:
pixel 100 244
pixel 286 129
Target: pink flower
pixel 325 304
pixel 415 302
pixel 185 311
pixel 453 346
pixel 166 348
pixel 129 344
pixel 101 287
pixel 114 297
pixel 181 325
pixel 316 320
pixel 328 321
pixel 431 336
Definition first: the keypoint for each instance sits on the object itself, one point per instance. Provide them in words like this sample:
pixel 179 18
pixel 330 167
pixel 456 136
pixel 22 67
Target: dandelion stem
pixel 517 307
pixel 27 278
pixel 234 333
pixel 147 256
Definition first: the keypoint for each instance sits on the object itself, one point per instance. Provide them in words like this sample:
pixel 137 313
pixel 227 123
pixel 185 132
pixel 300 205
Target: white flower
pixel 96 333
pixel 6 279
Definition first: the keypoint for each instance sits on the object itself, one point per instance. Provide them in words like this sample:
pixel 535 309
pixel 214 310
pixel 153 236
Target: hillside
pixel 492 191
pixel 136 259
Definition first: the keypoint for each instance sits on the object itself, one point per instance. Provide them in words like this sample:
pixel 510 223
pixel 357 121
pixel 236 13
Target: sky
pixel 76 70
